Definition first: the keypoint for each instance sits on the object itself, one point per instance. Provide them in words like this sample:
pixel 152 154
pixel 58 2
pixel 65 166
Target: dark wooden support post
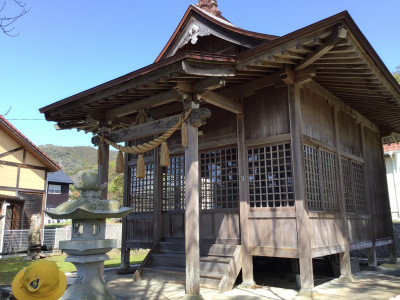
pixel 103 168
pixel 344 257
pixel 125 252
pixel 192 227
pixel 247 260
pixel 372 263
pixel 302 220
pixel 157 192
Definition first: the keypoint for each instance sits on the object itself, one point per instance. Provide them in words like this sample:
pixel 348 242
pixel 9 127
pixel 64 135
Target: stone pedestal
pixel 89 283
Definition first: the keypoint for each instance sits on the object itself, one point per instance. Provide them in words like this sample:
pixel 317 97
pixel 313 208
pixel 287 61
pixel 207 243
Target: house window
pixel 54 189
pixel 270 176
pixel 141 193
pixel 321 179
pixel 354 189
pixel 219 179
pixel 174 184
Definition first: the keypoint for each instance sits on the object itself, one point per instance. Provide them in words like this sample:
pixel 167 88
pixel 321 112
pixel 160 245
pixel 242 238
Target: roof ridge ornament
pixel 210 6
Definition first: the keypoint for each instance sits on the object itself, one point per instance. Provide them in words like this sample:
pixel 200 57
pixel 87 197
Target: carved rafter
pixel 331 41
pixel 156 100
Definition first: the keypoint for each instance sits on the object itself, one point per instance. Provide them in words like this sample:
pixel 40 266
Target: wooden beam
pixel 156 100
pixel 197 116
pixel 221 101
pixel 335 38
pixel 205 69
pixel 210 83
pixel 11 151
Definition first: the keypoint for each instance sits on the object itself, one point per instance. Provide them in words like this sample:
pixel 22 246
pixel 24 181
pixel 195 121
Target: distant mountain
pixel 74 159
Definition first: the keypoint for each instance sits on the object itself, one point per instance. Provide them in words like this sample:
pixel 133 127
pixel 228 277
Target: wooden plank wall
pixel 318 128
pixel 377 185
pixel 266 113
pixel 272 231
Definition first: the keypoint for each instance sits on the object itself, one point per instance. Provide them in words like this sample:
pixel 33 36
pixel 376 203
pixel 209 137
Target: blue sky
pixel 67 46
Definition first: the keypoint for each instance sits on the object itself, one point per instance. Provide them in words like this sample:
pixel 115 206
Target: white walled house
pixel 392 161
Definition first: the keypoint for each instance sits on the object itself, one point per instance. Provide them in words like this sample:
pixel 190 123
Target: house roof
pixel 22 140
pixel 393 147
pixel 332 55
pixel 59 177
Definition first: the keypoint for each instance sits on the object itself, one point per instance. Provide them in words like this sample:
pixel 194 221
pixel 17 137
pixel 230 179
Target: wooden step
pixel 177 275
pixel 205 249
pixel 214 264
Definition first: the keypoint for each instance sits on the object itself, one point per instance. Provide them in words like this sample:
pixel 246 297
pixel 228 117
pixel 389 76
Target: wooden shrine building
pixel 284 155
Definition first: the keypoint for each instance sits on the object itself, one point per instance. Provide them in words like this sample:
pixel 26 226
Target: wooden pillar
pixel 157 192
pixel 247 259
pixel 103 168
pixel 125 252
pixel 372 263
pixel 344 257
pixel 192 242
pixel 302 220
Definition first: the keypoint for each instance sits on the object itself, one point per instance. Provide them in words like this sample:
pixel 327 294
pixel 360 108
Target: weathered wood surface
pixel 317 117
pixel 345 266
pixel 266 114
pixel 221 101
pixel 247 260
pixel 302 220
pixel 152 101
pixel 273 232
pixel 214 225
pixel 192 227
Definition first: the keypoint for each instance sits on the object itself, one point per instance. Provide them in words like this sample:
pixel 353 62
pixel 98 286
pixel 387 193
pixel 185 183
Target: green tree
pixel 397 74
pixel 115 183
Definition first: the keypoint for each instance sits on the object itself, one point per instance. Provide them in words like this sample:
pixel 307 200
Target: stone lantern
pixel 88 246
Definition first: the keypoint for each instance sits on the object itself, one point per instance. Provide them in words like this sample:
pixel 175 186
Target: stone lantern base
pixel 89 283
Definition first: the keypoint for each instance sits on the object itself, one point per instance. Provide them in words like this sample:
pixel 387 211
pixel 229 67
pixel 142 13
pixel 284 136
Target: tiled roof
pixel 28 145
pixel 59 177
pixel 391 147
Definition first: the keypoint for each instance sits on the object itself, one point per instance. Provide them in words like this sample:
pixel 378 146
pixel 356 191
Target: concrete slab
pixel 381 284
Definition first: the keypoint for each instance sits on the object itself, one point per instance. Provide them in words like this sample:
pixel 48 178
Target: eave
pixel 349 69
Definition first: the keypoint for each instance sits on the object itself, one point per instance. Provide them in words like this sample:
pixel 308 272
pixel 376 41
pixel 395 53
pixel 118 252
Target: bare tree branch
pixel 7 112
pixel 6 22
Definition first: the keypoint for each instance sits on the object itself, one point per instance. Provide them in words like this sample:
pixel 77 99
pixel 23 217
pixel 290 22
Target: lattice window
pixel 353 178
pixel 141 196
pixel 270 176
pixel 329 180
pixel 347 184
pixel 219 179
pixel 321 179
pixel 358 186
pixel 174 184
pixel 312 178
